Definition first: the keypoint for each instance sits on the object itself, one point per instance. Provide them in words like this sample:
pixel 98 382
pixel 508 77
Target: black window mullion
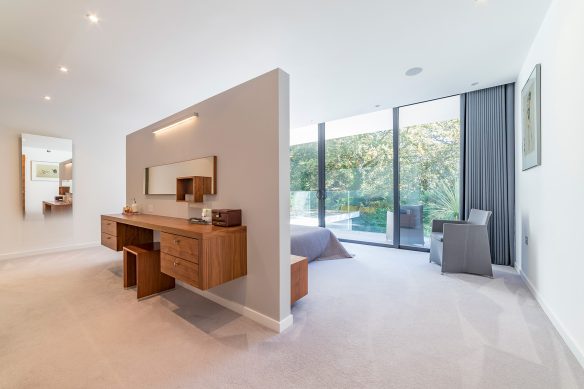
pixel 321 175
pixel 396 222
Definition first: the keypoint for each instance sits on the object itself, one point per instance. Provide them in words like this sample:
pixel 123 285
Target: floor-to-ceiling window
pixel 429 167
pixel 351 174
pixel 304 176
pixel 358 177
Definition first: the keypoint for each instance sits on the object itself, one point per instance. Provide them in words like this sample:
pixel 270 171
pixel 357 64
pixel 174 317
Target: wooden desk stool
pixel 142 268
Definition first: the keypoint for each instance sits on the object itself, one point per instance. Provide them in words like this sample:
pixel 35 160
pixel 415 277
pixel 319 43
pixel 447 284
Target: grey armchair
pixel 462 246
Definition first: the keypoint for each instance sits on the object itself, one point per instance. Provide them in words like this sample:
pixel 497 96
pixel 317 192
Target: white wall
pixel 549 197
pixel 99 188
pixel 247 128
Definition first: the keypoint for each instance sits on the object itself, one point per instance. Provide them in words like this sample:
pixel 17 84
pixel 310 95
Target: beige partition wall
pixel 247 128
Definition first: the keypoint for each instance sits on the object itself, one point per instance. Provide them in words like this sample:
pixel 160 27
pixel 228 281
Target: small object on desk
pixel 196 220
pixel 207 215
pixel 128 211
pixel 189 197
pixel 64 190
pixel 227 217
pixel 134 207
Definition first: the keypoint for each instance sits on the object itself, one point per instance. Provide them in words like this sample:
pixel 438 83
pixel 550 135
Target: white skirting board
pixel 578 353
pixel 260 318
pixel 52 250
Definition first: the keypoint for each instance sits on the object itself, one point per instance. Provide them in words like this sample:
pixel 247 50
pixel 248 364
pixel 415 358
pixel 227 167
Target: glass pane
pixel 359 174
pixel 429 152
pixel 304 176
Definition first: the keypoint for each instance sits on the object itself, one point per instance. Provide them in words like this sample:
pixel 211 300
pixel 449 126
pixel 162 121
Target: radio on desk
pixel 226 217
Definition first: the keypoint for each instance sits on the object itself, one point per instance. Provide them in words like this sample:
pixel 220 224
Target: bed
pixel 316 243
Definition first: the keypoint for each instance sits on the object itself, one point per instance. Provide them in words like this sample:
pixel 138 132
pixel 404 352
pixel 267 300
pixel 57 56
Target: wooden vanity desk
pixel 203 256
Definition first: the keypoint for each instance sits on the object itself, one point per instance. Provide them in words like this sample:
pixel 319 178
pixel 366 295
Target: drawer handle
pixel 176 241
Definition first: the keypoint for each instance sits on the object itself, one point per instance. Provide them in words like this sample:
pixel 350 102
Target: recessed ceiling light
pixel 481 2
pixel 414 71
pixel 93 18
pixel 48 98
pixel 63 69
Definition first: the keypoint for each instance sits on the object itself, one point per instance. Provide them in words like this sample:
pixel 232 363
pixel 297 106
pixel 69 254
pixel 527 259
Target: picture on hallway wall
pixel 531 119
pixel 44 171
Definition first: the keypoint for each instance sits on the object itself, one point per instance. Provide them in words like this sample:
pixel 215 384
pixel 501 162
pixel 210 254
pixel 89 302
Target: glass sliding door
pixel 429 167
pixel 359 177
pixel 304 176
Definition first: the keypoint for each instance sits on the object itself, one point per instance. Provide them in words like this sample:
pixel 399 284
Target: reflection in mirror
pixel 46 176
pixel 161 180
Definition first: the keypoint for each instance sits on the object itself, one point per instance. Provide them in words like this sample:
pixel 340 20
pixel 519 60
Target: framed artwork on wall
pixel 44 171
pixel 531 119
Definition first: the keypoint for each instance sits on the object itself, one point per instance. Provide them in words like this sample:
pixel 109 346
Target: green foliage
pixel 304 167
pixel 446 202
pixel 359 172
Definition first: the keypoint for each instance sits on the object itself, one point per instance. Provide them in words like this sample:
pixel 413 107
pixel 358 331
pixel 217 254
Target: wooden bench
pixel 299 278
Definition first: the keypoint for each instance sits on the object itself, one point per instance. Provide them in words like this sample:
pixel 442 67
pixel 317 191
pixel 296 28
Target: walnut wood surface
pixel 109 227
pixel 180 246
pixel 224 258
pixel 198 186
pixel 56 207
pixel 117 235
pixel 172 225
pixel 299 278
pixel 180 269
pixel 142 268
pixel 109 241
pixel 202 255
pixel 129 269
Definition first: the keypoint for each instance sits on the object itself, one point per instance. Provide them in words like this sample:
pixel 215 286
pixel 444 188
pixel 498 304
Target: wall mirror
pixel 162 180
pixel 46 176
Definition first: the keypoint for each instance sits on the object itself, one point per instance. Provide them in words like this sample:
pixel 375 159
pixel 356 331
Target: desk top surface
pixel 172 225
pixel 55 203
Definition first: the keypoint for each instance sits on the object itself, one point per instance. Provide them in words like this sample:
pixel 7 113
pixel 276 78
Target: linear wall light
pixel 172 125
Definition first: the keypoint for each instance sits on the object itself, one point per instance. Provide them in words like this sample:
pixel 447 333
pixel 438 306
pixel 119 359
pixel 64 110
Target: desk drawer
pixel 180 246
pixel 109 241
pixel 109 227
pixel 180 269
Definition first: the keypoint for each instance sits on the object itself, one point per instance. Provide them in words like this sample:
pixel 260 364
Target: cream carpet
pixel 386 319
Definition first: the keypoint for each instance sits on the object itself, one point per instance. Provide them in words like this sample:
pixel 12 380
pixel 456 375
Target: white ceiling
pixel 148 59
pixel 46 142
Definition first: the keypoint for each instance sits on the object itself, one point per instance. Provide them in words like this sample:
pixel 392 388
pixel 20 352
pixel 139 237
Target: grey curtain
pixel 488 164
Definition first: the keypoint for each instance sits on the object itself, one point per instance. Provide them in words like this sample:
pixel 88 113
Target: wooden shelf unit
pixel 193 185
